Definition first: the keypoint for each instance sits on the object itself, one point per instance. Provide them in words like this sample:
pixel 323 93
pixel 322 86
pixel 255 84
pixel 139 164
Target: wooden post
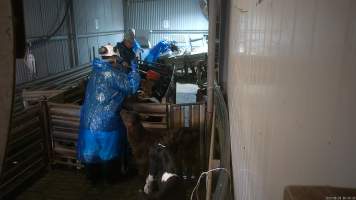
pixel 211 157
pixel 7 75
pixel 46 130
pixel 203 139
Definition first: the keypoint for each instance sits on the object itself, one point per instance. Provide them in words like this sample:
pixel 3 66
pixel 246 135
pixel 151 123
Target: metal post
pixel 72 37
pixel 224 43
pixel 211 61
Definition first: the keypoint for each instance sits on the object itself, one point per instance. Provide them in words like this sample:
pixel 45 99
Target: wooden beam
pixel 7 65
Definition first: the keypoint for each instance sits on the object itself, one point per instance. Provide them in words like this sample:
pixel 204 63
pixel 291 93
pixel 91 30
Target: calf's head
pixel 130 118
pixel 160 160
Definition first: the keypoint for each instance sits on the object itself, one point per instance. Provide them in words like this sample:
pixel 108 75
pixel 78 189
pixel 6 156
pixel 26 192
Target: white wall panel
pixel 292 94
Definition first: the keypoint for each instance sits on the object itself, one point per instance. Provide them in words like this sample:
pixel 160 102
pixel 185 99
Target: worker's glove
pixel 133 65
pixel 138 51
pixel 152 75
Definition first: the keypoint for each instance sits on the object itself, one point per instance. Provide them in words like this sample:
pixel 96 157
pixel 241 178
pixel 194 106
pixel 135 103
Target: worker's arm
pixel 134 79
pixel 128 83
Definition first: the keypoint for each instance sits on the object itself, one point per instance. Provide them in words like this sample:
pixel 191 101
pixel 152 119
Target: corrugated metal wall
pixel 40 16
pixel 96 22
pixel 176 20
pixel 292 94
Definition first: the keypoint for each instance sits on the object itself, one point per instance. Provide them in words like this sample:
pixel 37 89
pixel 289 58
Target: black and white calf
pixel 162 183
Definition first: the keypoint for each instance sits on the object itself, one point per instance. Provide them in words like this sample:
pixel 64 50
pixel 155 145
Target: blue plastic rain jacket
pixel 160 48
pixel 136 47
pixel 102 131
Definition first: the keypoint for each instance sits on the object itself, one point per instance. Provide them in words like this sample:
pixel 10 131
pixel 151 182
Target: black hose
pixel 49 36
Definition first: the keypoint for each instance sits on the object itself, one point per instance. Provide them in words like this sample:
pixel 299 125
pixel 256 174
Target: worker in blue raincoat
pixel 102 133
pixel 161 47
pixel 129 48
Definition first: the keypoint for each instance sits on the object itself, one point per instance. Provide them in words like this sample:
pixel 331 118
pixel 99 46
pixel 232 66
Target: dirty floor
pixel 62 184
pixel 65 184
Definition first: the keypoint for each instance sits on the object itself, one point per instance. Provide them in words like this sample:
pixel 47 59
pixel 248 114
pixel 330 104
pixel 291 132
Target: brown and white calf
pixel 162 182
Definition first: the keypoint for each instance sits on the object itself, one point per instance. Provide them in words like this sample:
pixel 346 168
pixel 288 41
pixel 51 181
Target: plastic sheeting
pixel 136 47
pixel 101 127
pixel 162 47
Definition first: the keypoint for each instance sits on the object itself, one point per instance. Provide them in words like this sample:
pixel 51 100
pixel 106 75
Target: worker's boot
pixel 110 171
pixel 92 172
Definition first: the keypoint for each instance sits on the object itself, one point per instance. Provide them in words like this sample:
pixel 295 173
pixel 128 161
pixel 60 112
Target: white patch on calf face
pixel 148 186
pixel 161 145
pixel 167 176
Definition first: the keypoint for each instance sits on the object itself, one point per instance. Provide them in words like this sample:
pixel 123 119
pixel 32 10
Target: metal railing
pixel 223 190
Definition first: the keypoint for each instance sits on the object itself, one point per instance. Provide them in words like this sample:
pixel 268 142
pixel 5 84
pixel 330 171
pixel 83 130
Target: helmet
pixel 108 50
pixel 132 31
pixel 130 35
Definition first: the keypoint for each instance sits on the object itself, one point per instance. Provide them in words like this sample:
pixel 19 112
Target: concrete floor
pixel 72 185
